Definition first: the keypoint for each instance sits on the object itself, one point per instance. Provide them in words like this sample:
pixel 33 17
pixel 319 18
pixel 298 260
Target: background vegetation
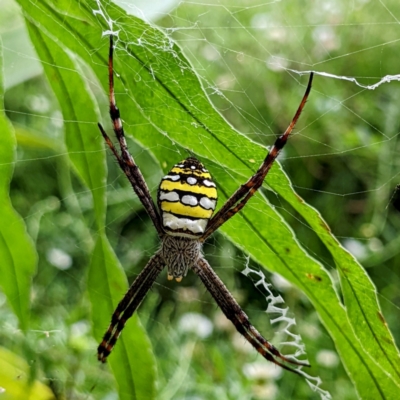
pixel 61 279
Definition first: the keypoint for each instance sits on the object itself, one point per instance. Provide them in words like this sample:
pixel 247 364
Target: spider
pixel 184 219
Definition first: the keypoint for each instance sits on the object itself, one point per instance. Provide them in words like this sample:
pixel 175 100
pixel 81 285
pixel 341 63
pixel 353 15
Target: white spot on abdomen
pixel 169 196
pixel 208 183
pixel 192 226
pixel 191 180
pixel 172 177
pixel 206 203
pixel 189 200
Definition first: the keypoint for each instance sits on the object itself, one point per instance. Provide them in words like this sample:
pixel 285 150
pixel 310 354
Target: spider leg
pixel 144 196
pixel 239 199
pixel 237 316
pixel 128 305
pixel 125 160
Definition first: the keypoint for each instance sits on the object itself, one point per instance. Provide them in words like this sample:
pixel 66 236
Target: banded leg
pixel 237 316
pixel 238 200
pixel 129 304
pixel 125 160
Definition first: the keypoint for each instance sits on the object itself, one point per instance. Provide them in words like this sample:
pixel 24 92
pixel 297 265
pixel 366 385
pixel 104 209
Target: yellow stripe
pixel 195 172
pixel 207 191
pixel 181 209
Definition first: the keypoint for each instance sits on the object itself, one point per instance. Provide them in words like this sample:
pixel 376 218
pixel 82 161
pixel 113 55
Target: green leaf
pixel 83 142
pixel 14 379
pixel 15 42
pixel 17 254
pixel 360 297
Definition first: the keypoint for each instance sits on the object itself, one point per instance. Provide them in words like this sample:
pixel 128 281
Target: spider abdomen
pixel 187 197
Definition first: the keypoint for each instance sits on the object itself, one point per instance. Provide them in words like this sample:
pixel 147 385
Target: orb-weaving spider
pixel 186 201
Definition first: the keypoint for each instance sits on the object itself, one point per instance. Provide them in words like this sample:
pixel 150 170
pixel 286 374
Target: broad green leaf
pixel 14 380
pixel 17 254
pixel 360 297
pixel 29 138
pixel 133 363
pixel 165 109
pixel 15 42
pixel 82 139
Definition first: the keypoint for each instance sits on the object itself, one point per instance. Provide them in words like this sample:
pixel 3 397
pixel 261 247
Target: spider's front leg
pixel 125 159
pixel 242 195
pixel 237 316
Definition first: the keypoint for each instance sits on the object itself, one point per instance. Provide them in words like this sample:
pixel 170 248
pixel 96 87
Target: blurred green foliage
pixel 342 160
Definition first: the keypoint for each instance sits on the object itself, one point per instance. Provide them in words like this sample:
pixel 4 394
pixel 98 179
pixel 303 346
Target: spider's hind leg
pixel 128 305
pixel 237 316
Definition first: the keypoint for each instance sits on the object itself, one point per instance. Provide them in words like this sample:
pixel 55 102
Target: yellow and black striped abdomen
pixel 187 197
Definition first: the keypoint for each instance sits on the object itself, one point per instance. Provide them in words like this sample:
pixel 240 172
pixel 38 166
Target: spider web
pixel 261 284
pixel 279 315
pixel 237 50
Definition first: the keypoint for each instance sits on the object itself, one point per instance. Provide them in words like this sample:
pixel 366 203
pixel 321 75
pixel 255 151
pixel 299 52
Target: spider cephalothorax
pixel 184 219
pixel 179 254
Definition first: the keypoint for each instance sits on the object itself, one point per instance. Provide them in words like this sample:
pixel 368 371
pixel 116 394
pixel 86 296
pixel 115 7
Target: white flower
pixel 262 371
pixel 59 258
pixel 195 323
pixel 327 358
